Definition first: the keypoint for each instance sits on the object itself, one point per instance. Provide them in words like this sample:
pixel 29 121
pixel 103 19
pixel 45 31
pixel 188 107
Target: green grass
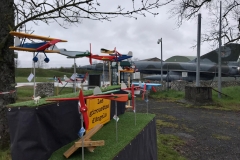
pixel 59 72
pixel 167 145
pixel 37 79
pixel 161 123
pixel 24 72
pixel 221 137
pixel 230 102
pixel 126 132
pixel 5 155
pixel 171 95
pixel 27 93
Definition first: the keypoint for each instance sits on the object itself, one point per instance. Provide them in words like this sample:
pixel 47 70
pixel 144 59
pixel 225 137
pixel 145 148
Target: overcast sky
pixel 126 34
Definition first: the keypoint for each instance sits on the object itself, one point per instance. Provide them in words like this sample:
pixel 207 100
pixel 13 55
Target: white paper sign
pixel 116 118
pixel 30 77
pixel 184 74
pixel 73 77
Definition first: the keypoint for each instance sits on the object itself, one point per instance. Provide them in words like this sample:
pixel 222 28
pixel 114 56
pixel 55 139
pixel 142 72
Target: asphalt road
pixel 208 134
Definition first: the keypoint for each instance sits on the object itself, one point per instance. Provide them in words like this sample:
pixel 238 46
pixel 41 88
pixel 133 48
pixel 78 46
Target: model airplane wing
pixel 32 36
pixel 98 91
pixel 107 51
pixel 148 85
pixel 115 97
pixel 31 49
pixel 35 47
pixel 47 45
pixel 104 58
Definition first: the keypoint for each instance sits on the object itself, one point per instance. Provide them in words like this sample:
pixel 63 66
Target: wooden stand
pixel 90 145
pixel 128 105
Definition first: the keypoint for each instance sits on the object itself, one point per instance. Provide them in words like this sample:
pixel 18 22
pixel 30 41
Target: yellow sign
pixel 98 111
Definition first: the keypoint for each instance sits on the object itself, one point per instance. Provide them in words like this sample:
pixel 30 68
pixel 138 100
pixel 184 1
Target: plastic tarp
pixel 36 132
pixel 143 146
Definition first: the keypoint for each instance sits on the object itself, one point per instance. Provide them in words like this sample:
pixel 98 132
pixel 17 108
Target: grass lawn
pixel 229 102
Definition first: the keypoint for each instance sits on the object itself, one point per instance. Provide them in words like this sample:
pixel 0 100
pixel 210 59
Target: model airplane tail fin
pixel 130 53
pixel 97 91
pixel 120 68
pixel 123 85
pixel 229 52
pixel 140 83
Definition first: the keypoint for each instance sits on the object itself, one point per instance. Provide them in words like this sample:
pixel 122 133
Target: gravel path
pixel 209 134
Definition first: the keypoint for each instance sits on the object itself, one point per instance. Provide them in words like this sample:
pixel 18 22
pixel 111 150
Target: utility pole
pixel 198 50
pixel 219 53
pixel 160 40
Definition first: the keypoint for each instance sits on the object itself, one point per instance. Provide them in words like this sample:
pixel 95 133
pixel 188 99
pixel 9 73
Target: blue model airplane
pixel 149 86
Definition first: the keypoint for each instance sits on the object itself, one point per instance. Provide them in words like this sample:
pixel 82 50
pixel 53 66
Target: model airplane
pixel 149 86
pixel 127 69
pixel 133 90
pixel 35 47
pixel 187 70
pixel 81 80
pixel 118 57
pixel 98 57
pixel 83 107
pixel 71 54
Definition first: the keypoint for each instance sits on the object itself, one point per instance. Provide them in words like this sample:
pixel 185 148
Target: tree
pixel 189 9
pixel 7 67
pixel 61 12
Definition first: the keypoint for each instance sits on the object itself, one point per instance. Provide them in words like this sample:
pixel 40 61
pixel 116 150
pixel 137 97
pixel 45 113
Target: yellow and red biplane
pixel 35 46
pixel 118 56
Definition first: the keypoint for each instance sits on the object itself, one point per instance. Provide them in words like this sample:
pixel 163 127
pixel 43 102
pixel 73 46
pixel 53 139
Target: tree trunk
pixel 7 70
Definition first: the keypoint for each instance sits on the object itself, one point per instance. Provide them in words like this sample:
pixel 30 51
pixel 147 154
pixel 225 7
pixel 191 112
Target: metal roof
pixel 180 59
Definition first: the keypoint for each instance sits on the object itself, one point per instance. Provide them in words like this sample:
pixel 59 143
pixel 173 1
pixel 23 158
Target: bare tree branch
pixel 188 9
pixel 73 11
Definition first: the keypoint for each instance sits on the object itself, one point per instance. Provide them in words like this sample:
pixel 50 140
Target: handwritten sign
pixel 98 111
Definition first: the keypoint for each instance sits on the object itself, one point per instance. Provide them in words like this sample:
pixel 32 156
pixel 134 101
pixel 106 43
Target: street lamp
pixel 160 40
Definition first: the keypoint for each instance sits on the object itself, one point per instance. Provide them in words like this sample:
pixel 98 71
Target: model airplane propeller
pixel 133 90
pixel 36 46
